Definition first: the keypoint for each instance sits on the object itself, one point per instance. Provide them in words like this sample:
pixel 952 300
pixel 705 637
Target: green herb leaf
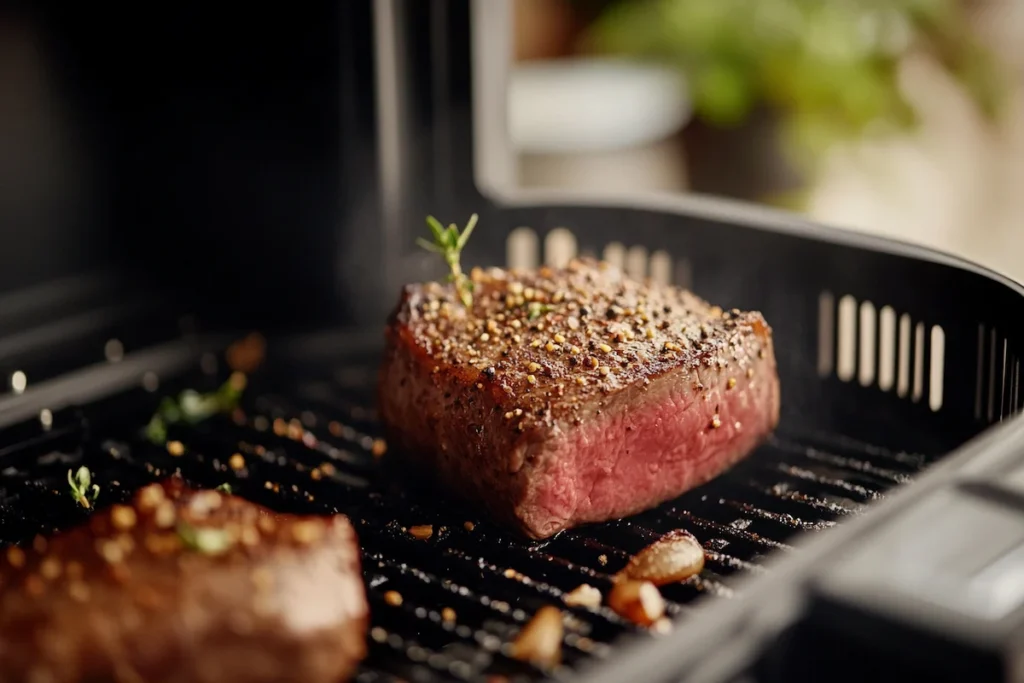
pixel 536 310
pixel 225 488
pixel 436 229
pixel 449 242
pixel 464 237
pixel 83 490
pixel 192 407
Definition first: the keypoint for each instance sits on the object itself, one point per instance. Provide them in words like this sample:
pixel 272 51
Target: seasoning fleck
pixel 307 531
pixel 16 557
pixel 393 598
pixel 122 517
pixel 175 448
pixel 164 515
pixel 78 591
pixel 50 568
pixel 421 532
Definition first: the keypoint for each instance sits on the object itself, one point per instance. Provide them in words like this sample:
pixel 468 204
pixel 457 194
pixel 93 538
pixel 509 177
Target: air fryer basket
pixel 308 438
pixel 891 359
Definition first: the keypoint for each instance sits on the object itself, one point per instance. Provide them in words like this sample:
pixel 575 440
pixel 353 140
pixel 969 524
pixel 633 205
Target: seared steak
pixel 184 586
pixel 574 395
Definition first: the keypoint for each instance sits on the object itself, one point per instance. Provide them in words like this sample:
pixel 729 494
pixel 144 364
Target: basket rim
pixel 745 214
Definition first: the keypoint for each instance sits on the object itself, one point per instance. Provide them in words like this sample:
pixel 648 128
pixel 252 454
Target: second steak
pixel 574 395
pixel 185 585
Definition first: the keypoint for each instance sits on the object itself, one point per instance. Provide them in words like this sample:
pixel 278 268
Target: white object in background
pixel 593 124
pixel 590 105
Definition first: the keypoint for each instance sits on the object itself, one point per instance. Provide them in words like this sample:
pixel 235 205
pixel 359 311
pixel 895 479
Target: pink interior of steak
pixel 649 447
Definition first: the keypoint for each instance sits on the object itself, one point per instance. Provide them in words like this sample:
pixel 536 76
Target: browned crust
pixel 131 596
pixel 632 333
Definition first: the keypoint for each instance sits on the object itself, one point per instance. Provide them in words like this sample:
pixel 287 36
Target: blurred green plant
pixel 828 67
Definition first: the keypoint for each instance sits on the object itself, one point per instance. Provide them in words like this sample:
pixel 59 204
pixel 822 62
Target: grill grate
pixel 295 421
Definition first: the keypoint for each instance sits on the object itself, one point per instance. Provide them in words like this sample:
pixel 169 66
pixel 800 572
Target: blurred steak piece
pixel 574 395
pixel 185 586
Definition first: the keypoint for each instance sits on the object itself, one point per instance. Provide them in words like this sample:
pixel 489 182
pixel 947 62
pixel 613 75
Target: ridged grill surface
pixel 297 419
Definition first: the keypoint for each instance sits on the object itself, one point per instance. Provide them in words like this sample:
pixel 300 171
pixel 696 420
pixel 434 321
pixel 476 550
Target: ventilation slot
pixel 866 357
pixel 615 254
pixel 522 249
pixel 936 373
pixel 636 263
pixel 846 352
pixel 886 348
pixel 661 268
pixel 559 247
pixel 903 358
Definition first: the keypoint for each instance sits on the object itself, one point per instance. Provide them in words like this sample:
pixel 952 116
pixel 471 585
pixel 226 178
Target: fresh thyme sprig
pixel 83 490
pixel 448 242
pixel 192 407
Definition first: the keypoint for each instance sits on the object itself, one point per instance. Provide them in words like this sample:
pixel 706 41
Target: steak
pixel 185 586
pixel 575 395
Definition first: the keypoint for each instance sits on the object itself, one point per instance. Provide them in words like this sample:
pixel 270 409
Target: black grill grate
pixel 298 419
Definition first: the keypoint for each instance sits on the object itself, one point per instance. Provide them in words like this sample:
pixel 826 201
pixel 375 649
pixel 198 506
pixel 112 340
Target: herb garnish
pixel 448 242
pixel 204 539
pixel 224 488
pixel 536 310
pixel 83 490
pixel 192 407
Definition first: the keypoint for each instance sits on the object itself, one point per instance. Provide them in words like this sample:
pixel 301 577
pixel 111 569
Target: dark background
pixel 211 152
